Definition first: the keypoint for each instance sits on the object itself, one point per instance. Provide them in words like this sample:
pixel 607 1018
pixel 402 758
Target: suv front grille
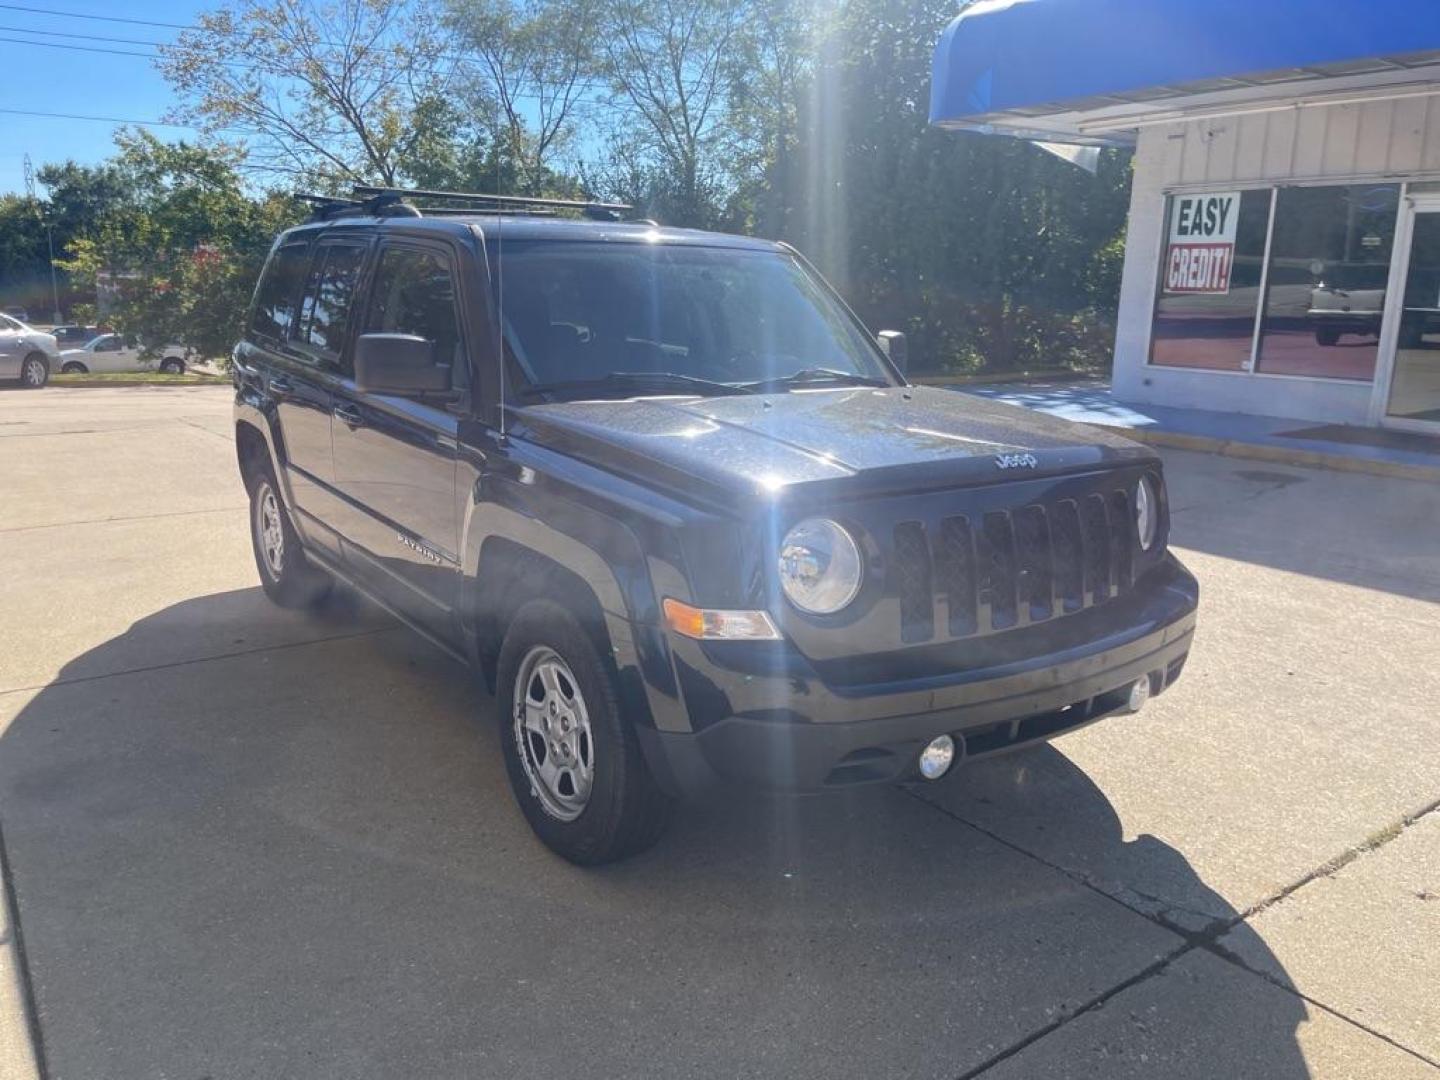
pixel 1011 567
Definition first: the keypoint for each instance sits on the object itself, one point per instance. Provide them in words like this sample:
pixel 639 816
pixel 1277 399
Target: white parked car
pixel 110 352
pixel 26 353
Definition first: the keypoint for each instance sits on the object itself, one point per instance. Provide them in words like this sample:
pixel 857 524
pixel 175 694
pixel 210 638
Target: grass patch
pixel 140 378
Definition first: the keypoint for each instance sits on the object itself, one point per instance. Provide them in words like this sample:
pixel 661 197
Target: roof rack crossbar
pixel 369 192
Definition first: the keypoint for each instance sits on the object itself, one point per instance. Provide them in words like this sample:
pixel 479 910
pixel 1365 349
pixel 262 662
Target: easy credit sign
pixel 1201 253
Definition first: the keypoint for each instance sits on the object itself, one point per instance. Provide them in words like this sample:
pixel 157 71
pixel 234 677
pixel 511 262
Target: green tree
pixel 534 63
pixel 987 251
pixel 668 63
pixel 328 93
pixel 179 255
pixel 24 258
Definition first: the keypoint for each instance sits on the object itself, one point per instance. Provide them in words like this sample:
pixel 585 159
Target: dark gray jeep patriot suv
pixel 683 512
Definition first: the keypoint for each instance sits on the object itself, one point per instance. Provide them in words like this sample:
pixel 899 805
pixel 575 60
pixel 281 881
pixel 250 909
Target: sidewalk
pixel 1265 438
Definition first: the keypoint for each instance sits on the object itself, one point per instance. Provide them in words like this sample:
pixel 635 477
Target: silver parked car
pixel 109 353
pixel 26 354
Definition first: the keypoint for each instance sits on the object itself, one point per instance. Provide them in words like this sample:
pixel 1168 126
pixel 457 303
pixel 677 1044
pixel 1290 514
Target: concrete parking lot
pixel 249 842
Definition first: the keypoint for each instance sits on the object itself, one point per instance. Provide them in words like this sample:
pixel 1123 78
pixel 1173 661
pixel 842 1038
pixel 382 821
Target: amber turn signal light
pixel 707 625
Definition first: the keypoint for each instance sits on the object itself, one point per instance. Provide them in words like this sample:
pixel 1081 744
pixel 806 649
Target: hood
pixel 896 438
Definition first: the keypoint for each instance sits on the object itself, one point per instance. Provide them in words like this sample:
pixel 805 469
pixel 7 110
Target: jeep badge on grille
pixel 1016 461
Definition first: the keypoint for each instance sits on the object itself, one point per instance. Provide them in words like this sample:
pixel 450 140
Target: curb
pixel 73 383
pixel 1279 455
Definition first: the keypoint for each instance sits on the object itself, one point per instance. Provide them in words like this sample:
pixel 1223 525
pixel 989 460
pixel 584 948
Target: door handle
pixel 280 386
pixel 348 415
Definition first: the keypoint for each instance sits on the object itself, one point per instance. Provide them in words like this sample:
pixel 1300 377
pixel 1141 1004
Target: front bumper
pixel 794 734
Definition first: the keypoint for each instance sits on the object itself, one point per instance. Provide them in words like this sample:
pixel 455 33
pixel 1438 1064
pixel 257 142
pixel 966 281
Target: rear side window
pixel 329 297
pixel 415 294
pixel 279 288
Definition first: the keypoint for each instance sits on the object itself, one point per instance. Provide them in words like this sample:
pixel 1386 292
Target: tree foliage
pixel 177 256
pixel 327 91
pixel 787 118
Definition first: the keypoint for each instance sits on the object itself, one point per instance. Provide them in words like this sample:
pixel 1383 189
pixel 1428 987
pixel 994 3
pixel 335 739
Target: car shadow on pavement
pixel 304 861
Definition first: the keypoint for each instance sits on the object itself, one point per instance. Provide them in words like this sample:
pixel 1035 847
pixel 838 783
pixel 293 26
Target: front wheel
pixel 34 372
pixel 285 574
pixel 1327 337
pixel 574 763
pixel 172 365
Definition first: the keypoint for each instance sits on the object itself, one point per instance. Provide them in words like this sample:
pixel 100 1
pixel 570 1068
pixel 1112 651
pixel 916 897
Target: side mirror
pixel 892 344
pixel 398 364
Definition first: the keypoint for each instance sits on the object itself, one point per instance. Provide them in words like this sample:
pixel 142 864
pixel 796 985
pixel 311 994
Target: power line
pixel 165 25
pixel 104 119
pixel 82 37
pixel 226 63
pixel 102 18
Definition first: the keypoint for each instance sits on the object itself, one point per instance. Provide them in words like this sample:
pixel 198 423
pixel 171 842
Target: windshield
pixel 584 313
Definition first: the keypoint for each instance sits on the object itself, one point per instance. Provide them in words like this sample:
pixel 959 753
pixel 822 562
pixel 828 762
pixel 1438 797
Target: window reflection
pixel 1415 389
pixel 1329 264
pixel 1206 319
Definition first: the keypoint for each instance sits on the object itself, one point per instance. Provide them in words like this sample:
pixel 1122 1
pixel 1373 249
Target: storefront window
pixel 1329 264
pixel 1209 292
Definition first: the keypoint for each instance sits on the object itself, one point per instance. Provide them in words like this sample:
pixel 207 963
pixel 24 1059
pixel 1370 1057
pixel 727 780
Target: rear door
pixel 296 385
pixel 395 457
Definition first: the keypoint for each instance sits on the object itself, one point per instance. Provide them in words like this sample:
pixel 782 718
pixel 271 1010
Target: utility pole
pixel 55 316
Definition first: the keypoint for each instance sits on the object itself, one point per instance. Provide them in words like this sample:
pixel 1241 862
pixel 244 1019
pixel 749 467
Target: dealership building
pixel 1283 253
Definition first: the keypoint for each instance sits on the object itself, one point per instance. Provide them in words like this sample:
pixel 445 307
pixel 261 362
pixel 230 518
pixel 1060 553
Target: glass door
pixel 1414 394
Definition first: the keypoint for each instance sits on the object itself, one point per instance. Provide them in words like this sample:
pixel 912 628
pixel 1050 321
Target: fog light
pixel 936 759
pixel 1139 694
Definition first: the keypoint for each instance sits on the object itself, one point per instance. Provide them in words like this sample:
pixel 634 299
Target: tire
pixel 172 365
pixel 34 371
pixel 1327 337
pixel 286 575
pixel 623 812
pixel 74 367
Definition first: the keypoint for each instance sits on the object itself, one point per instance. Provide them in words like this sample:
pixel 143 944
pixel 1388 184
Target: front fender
pixel 566 520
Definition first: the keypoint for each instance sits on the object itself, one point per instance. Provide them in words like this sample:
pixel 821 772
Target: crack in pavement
pixel 200 660
pixel 1207 938
pixel 130 517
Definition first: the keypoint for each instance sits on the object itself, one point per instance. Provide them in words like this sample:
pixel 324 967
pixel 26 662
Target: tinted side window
pixel 329 296
pixel 275 301
pixel 415 294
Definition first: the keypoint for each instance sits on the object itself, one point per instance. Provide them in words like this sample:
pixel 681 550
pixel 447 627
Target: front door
pixel 110 355
pixel 1413 396
pixel 395 457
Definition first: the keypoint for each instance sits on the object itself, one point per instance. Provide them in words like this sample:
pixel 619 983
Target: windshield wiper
pixel 815 376
pixel 656 381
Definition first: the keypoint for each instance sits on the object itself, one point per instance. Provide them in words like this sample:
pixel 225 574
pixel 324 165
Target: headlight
pixel 820 567
pixel 1147 512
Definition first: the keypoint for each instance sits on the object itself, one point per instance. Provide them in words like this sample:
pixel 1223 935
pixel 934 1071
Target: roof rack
pixel 483 203
pixel 368 201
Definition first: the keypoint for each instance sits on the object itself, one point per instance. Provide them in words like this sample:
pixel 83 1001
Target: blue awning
pixel 1012 65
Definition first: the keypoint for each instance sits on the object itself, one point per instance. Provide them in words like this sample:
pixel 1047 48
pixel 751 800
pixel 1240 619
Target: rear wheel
pixel 286 575
pixel 1327 337
pixel 172 365
pixel 34 371
pixel 574 762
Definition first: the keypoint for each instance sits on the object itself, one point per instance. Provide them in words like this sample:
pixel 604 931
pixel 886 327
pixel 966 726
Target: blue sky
pixel 42 78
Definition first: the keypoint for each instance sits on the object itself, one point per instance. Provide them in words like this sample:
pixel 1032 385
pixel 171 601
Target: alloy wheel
pixel 269 529
pixel 552 734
